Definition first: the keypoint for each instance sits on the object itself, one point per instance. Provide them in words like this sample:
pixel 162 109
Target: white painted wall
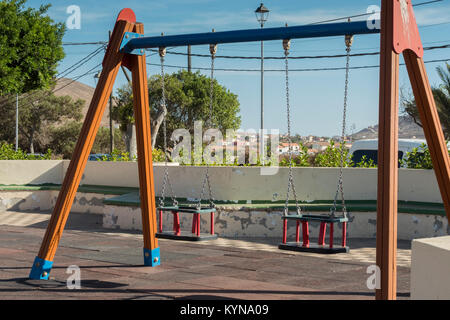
pixel 247 183
pixel 430 261
pixel 20 172
pixel 230 183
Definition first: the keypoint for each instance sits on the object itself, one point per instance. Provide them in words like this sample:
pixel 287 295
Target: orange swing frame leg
pixel 111 64
pixel 400 35
pixel 387 159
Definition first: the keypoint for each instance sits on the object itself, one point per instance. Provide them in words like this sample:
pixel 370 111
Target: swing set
pixel 399 35
pixel 323 219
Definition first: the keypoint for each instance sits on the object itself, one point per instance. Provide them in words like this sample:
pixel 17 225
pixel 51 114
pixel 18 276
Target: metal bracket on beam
pixel 128 36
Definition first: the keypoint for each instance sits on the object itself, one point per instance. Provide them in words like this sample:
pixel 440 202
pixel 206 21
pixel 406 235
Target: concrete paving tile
pixel 198 261
pixel 111 266
pixel 245 285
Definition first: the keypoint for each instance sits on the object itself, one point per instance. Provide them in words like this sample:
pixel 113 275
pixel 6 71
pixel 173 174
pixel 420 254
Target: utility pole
pixel 189 59
pixel 17 121
pixel 111 128
pixel 262 14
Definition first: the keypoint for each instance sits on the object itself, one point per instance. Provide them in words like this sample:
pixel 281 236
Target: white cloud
pixel 306 17
pixel 203 22
pixel 427 16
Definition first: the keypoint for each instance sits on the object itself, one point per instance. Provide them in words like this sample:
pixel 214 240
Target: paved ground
pixel 111 266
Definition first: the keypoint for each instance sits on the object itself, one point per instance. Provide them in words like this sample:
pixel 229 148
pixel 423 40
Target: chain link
pixel 291 184
pixel 166 180
pixel 340 188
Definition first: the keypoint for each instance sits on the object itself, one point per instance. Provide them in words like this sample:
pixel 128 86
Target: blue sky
pixel 316 97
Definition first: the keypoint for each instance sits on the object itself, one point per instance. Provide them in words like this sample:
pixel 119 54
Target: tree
pixel 442 98
pixel 187 100
pixel 30 47
pixel 40 110
pixel 331 156
pixel 64 139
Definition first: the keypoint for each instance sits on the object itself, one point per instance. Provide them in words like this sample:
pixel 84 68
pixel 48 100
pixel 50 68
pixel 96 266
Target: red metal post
pixel 284 231
pixel 160 221
pixel 322 233
pixel 297 233
pixel 212 223
pixel 176 223
pixel 198 224
pixel 305 230
pixel 194 224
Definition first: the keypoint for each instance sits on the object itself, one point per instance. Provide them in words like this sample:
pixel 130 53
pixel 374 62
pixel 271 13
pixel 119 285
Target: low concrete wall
pixel 247 183
pixel 33 201
pixel 430 262
pixel 230 221
pixel 230 183
pixel 21 172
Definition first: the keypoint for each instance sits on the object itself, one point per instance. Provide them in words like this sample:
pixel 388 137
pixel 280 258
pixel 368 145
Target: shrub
pixel 8 152
pixel 117 156
pixel 158 155
pixel 366 163
pixel 418 158
pixel 298 160
pixel 331 156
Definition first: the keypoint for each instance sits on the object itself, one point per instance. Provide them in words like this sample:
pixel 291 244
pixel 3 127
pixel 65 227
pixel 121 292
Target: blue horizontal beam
pixel 249 35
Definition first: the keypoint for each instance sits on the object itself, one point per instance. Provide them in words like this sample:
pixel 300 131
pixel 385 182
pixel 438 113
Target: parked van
pixel 369 148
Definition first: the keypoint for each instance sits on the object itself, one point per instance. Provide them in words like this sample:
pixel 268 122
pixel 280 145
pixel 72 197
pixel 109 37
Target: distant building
pixel 312 151
pixel 320 145
pixel 284 147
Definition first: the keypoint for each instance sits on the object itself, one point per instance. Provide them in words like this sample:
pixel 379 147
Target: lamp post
pixel 262 14
pixel 17 122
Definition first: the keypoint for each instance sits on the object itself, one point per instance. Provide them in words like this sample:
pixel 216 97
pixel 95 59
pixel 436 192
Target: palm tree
pixel 442 98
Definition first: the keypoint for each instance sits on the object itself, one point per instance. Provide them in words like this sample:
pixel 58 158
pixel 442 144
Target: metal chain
pixel 166 180
pixel 207 180
pixel 340 189
pixel 291 184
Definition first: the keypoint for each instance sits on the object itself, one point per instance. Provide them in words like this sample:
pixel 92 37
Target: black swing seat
pixel 317 217
pixel 176 233
pixel 187 209
pixel 320 247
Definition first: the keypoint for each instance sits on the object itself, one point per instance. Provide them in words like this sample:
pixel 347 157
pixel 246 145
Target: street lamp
pixel 262 14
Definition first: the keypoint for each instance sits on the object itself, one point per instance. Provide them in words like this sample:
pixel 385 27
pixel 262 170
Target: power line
pixel 67 71
pixel 445 46
pixel 295 70
pixel 426 2
pixel 84 43
pixel 370 13
pixel 90 71
pixel 79 63
pixel 72 68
